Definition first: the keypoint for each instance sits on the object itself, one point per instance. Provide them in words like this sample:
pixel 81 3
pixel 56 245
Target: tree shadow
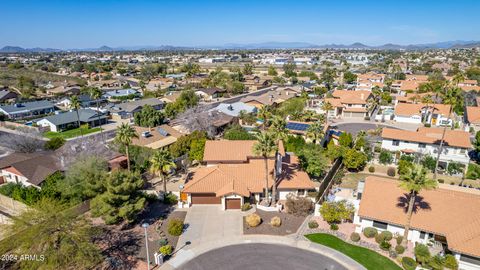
pixel 419 203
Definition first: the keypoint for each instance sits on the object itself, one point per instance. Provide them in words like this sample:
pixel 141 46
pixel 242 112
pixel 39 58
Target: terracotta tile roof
pixel 451 213
pixel 231 151
pixel 246 178
pixel 416 77
pixel 355 109
pixel 456 138
pixel 409 109
pixel 470 87
pixel 473 115
pixel 352 97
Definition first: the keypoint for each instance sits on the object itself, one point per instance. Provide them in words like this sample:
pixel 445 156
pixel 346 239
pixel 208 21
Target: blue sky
pixel 83 24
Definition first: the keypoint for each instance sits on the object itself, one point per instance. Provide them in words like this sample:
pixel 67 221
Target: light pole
pixel 145 226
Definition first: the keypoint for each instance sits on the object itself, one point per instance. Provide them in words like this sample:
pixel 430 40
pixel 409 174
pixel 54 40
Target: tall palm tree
pixel 124 136
pixel 280 132
pixel 96 94
pixel 265 114
pixel 75 105
pixel 265 146
pixel 161 163
pixel 315 131
pixel 452 97
pixel 427 100
pixel 414 181
pixel 326 107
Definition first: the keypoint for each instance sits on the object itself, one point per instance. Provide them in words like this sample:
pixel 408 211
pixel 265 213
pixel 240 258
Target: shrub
pixel 400 249
pixel 163 242
pixel 54 143
pixel 170 198
pixel 276 221
pixel 175 227
pixel 392 254
pixel 441 181
pixel 371 169
pixel 385 157
pixel 253 220
pixel 312 224
pixel 336 212
pixel 422 254
pixel 333 227
pixel 391 172
pixel 299 206
pixel 399 239
pixel 427 125
pixel 451 262
pixel 409 263
pixel 370 232
pixel 383 236
pixel 166 250
pixel 355 237
pixel 385 245
pixel 246 206
pixel 437 262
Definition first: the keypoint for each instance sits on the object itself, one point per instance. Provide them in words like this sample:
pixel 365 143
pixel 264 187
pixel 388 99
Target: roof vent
pixel 146 134
pixel 230 107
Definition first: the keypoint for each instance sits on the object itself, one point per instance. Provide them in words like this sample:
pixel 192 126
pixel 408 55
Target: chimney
pixel 362 96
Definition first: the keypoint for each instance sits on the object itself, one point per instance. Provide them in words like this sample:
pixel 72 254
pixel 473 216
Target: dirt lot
pixel 290 224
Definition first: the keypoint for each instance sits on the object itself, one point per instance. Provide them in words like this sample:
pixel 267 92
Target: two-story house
pixel 418 113
pixel 349 103
pixel 426 141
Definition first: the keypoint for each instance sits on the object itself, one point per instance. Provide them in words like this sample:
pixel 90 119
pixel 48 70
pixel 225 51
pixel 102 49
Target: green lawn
pixel 366 257
pixel 70 133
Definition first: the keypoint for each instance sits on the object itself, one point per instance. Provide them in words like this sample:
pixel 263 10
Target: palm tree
pixel 427 99
pixel 315 131
pixel 124 136
pixel 452 97
pixel 264 113
pixel 161 163
pixel 96 94
pixel 264 147
pixel 326 107
pixel 414 181
pixel 75 105
pixel 280 132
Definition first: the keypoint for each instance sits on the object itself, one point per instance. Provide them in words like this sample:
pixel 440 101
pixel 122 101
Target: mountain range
pixel 255 46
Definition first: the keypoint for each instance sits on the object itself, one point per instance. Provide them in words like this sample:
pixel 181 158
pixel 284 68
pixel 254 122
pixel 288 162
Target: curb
pixel 186 255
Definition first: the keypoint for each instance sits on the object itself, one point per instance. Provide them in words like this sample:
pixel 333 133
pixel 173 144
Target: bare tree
pixel 24 140
pixel 199 118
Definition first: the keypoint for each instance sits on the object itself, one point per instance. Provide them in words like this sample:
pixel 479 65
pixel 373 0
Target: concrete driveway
pixel 209 222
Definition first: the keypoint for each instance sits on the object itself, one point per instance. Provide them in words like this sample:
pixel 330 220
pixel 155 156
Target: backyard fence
pixel 327 181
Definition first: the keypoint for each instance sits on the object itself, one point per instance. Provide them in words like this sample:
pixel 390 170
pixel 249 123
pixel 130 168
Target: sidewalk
pixel 182 256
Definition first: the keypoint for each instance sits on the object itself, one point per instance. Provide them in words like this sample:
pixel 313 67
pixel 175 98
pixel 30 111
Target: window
pixel 469 259
pixel 301 192
pixel 422 145
pixel 462 151
pixel 380 225
pixel 396 142
pixel 422 235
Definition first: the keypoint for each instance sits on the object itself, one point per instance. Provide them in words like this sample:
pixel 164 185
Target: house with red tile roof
pixel 447 217
pixel 347 104
pixel 234 175
pixel 418 113
pixel 426 141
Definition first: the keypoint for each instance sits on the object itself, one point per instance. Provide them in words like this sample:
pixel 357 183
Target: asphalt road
pixel 261 256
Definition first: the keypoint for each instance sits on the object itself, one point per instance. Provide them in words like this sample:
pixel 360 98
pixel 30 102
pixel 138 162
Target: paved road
pixel 261 256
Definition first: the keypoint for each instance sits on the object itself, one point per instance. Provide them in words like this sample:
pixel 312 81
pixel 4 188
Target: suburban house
pixel 426 141
pixel 472 117
pixel 28 169
pixel 128 109
pixel 85 101
pixel 120 94
pixel 253 82
pixel 209 94
pixel 271 98
pixel 234 109
pixel 7 96
pixel 349 103
pixel 157 137
pixel 469 85
pixel 234 175
pixel 27 109
pixel 418 113
pixel 366 82
pixel 446 218
pixel 68 120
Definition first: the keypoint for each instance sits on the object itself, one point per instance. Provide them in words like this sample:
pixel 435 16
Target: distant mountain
pixel 258 46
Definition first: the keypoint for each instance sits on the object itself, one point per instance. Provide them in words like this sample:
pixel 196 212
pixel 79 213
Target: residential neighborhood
pixel 217 135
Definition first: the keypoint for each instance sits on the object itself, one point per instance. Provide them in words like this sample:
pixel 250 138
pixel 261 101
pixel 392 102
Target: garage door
pixel 206 198
pixel 357 114
pixel 232 203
